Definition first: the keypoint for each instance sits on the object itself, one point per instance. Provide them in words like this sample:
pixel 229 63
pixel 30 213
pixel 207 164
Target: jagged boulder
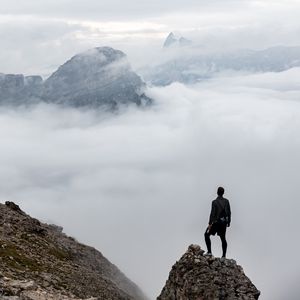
pixel 197 277
pixel 14 206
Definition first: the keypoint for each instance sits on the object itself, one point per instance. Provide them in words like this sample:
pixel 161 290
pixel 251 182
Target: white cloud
pixel 138 185
pixel 39 36
pixel 109 9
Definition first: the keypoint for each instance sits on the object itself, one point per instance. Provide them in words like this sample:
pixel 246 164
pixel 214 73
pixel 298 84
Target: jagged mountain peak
pixel 92 62
pixel 99 77
pixel 170 40
pixel 106 51
pixel 99 55
pixel 173 40
pixel 196 277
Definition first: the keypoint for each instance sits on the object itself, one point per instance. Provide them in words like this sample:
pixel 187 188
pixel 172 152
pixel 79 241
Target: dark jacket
pixel 220 207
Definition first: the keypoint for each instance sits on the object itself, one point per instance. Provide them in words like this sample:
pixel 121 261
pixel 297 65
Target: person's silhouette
pixel 219 220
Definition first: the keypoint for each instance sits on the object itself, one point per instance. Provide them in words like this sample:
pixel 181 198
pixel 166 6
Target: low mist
pixel 138 185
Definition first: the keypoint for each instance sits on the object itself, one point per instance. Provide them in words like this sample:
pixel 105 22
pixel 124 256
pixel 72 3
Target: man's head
pixel 220 191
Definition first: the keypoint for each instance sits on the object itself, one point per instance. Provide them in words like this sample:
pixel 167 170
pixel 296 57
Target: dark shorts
pixel 218 228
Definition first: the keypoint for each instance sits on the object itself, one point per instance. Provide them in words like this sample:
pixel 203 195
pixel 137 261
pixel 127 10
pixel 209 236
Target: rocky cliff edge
pixel 199 277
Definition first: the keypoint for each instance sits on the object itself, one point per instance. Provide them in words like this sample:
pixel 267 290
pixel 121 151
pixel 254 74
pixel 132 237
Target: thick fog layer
pixel 37 37
pixel 138 185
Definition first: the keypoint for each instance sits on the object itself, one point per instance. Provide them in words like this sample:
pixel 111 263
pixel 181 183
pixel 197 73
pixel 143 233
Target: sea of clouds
pixel 138 184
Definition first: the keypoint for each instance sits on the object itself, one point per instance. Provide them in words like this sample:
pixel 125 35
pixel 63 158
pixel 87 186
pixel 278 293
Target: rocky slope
pixel 98 77
pixel 38 261
pixel 197 277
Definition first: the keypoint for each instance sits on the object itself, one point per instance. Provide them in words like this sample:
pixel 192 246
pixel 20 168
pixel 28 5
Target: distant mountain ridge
pixel 191 64
pixel 98 77
pixel 39 262
pixel 102 77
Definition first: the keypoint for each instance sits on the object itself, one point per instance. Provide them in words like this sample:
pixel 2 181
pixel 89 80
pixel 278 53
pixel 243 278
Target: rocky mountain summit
pixel 98 77
pixel 198 277
pixel 95 77
pixel 38 262
pixel 172 41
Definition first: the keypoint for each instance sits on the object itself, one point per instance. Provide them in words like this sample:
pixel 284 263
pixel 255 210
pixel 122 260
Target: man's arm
pixel 212 217
pixel 228 213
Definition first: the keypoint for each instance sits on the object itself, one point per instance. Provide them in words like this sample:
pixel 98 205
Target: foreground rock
pixel 39 262
pixel 196 277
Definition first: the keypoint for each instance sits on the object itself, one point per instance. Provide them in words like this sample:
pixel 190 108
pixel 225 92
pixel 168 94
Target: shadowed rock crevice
pixel 197 277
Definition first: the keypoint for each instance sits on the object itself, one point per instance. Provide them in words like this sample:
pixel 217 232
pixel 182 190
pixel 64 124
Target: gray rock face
pixel 97 77
pixel 33 81
pixel 93 78
pixel 38 261
pixel 197 277
pixel 17 89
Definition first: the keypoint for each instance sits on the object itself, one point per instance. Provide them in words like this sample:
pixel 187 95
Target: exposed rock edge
pixel 199 277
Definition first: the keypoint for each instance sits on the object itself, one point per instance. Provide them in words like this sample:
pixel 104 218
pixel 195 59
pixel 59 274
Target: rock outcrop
pixel 40 262
pixel 17 89
pixel 198 277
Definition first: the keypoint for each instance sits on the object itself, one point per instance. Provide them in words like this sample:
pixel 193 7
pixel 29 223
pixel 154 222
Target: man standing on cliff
pixel 219 220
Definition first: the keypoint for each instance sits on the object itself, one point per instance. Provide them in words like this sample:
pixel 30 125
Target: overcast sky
pixel 37 36
pixel 139 186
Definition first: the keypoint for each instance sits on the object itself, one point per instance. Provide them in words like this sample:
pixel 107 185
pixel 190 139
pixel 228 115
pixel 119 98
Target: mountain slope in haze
pixel 93 78
pixel 192 64
pixel 98 77
pixel 197 277
pixel 38 261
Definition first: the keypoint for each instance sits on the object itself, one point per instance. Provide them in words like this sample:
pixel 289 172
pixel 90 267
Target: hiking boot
pixel 208 254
